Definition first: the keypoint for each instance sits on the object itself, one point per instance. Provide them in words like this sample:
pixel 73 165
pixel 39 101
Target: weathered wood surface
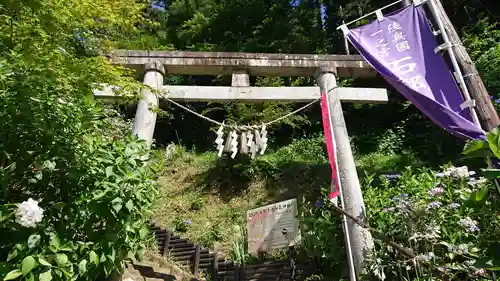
pixel 257 64
pixel 485 109
pixel 259 94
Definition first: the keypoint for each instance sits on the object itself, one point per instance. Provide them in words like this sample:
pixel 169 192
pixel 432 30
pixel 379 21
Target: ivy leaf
pixel 14 274
pixel 33 240
pixel 82 266
pixel 45 276
pixel 94 258
pixel 28 264
pixel 61 259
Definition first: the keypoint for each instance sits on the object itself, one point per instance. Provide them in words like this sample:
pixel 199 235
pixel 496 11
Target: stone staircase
pixel 155 268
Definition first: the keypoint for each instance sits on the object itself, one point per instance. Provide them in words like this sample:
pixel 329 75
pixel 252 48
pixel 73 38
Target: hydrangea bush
pixel 449 219
pixel 75 188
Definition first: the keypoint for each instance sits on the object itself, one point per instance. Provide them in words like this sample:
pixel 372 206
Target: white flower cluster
pixel 458 172
pixel 426 257
pixel 469 224
pixel 28 213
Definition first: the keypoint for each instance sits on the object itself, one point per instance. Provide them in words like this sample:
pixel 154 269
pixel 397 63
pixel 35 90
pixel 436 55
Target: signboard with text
pixel 273 227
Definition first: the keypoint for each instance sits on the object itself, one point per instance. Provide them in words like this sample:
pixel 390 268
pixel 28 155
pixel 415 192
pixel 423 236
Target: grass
pixel 205 198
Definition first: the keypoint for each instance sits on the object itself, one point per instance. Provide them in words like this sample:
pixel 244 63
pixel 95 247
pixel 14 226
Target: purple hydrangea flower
pixel 392 176
pixel 453 206
pixel 469 225
pixel 434 204
pixel 436 191
pixel 188 222
pixel 388 210
pixel 318 204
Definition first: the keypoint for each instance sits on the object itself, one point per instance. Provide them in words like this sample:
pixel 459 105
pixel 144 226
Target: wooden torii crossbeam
pixel 154 65
pixel 259 94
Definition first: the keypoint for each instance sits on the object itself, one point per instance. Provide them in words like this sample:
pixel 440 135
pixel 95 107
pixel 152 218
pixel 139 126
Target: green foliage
pixel 448 219
pixel 95 183
pixel 483 41
pixel 181 225
pixel 322 237
pixel 196 203
pixel 240 247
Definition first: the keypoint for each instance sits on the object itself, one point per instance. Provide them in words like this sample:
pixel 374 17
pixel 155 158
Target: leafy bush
pixel 448 219
pixel 322 237
pixel 85 185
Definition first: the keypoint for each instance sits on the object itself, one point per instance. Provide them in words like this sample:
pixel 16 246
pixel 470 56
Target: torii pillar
pixel 145 119
pixel 361 241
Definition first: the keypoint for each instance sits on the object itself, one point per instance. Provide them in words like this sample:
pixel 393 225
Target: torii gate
pixel 154 65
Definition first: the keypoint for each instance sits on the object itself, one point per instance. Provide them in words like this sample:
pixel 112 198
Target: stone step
pixel 155 268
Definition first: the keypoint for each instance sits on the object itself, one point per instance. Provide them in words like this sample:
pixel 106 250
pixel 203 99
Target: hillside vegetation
pixel 207 197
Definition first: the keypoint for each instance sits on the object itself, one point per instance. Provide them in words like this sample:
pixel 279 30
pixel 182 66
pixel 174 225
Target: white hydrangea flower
pixel 28 213
pixel 457 172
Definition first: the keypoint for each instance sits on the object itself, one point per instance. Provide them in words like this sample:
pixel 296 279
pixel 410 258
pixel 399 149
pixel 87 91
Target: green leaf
pixel 129 205
pixel 28 264
pixel 117 204
pixel 30 277
pixel 480 194
pixel 489 264
pixel 143 232
pixel 477 149
pixel 61 259
pixel 109 171
pixel 12 254
pixel 33 240
pixel 491 173
pixel 493 141
pixel 82 266
pixel 44 262
pixel 60 205
pixel 45 276
pixel 139 255
pixel 49 165
pixel 94 258
pixel 54 241
pixel 14 274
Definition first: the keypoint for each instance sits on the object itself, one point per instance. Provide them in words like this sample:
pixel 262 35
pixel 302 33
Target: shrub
pixel 448 219
pixel 91 186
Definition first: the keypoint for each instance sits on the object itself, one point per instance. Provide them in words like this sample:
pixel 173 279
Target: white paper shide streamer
pixel 250 140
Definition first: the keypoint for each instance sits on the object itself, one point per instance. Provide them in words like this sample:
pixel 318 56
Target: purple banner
pixel 401 48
